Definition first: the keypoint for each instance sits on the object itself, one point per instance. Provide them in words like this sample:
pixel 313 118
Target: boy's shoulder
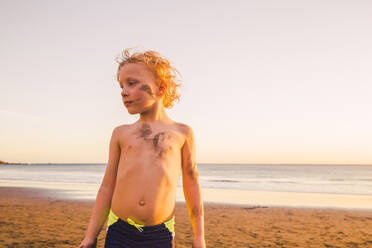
pixel 184 128
pixel 122 128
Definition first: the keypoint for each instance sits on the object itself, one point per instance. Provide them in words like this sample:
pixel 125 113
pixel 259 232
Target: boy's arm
pixel 102 204
pixel 191 189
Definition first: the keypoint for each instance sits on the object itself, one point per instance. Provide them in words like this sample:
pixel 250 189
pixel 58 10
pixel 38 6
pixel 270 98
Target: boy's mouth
pixel 127 102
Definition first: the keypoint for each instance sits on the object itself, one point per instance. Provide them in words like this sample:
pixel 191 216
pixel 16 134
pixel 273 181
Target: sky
pixel 263 81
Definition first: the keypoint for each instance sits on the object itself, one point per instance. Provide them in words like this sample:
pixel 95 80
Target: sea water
pixel 282 185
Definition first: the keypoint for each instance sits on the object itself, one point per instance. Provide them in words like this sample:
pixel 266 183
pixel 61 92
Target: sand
pixel 34 218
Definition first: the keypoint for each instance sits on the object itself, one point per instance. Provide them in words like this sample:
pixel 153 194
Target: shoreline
pixel 86 192
pixel 34 218
pixel 50 194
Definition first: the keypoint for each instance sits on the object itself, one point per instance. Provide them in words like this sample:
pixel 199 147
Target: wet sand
pixel 35 218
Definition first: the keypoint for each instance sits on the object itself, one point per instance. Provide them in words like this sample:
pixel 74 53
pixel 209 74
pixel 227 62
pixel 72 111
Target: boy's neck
pixel 155 113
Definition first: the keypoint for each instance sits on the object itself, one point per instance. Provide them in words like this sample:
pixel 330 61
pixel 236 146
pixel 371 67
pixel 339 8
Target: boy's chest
pixel 154 143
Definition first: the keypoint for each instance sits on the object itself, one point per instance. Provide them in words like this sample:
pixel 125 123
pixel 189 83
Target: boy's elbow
pixel 107 188
pixel 190 179
pixel 191 174
pixel 108 182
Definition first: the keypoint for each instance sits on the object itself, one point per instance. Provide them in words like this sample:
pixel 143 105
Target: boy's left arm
pixel 191 189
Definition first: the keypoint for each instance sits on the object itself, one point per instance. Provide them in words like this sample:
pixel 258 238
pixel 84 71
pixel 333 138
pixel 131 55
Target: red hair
pixel 165 74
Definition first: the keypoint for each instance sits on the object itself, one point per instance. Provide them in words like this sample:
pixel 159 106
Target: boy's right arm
pixel 102 204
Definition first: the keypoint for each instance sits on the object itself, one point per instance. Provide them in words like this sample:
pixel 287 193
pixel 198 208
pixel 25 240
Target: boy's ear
pixel 162 89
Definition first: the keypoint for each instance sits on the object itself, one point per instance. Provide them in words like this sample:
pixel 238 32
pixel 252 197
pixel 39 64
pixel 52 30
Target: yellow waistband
pixel 112 218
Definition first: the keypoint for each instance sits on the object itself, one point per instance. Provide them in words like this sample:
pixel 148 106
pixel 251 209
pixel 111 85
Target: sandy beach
pixel 34 218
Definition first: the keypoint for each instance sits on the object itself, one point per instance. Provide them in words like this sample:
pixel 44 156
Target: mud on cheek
pixel 147 89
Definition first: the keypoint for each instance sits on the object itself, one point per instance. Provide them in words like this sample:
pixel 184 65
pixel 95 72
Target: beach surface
pixel 31 217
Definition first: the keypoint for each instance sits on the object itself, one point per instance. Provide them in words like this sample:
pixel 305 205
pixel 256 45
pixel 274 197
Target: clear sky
pixel 264 81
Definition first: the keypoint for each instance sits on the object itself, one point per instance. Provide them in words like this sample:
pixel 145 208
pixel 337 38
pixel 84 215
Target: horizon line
pixel 219 163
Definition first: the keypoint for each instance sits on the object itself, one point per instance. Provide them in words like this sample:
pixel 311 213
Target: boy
pixel 138 190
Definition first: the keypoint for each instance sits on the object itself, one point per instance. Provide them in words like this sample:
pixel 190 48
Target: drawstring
pixel 138 226
pixel 112 218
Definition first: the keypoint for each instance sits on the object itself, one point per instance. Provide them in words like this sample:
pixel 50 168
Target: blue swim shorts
pixel 128 234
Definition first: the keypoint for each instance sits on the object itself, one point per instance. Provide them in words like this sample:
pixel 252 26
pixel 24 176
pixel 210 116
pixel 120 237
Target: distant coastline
pixel 49 163
pixel 7 163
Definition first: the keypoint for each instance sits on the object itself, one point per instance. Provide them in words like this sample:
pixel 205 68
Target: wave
pixel 224 181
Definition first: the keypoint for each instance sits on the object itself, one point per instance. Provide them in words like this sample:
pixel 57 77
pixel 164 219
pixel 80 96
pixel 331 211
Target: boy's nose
pixel 124 93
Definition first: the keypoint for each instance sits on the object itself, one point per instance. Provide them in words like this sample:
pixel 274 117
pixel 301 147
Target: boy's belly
pixel 145 194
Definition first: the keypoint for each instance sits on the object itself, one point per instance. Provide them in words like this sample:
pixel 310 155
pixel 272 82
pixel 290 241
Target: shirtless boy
pixel 146 158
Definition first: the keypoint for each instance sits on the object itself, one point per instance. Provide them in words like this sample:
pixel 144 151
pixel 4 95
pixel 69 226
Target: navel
pixel 141 202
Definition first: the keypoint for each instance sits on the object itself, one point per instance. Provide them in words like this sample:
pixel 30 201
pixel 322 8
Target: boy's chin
pixel 132 112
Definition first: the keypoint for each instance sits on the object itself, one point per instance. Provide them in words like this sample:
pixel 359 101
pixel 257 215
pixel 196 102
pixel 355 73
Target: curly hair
pixel 164 73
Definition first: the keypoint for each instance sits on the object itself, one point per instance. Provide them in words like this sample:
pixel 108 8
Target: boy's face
pixel 139 89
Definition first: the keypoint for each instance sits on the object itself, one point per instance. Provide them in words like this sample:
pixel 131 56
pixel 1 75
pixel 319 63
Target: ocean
pixel 345 186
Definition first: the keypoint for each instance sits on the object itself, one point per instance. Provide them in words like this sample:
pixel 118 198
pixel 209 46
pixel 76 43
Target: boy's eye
pixel 131 83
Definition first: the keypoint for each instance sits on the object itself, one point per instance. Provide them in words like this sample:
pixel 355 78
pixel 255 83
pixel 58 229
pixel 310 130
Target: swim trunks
pixel 128 234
